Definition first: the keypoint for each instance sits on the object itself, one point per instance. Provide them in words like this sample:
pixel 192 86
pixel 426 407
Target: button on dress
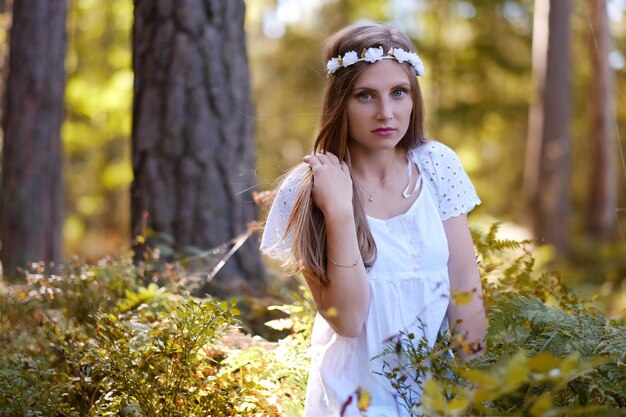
pixel 408 283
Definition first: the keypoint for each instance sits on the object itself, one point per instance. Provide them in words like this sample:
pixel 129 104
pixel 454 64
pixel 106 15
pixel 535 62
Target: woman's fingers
pixel 332 185
pixel 312 160
pixel 332 158
pixel 326 158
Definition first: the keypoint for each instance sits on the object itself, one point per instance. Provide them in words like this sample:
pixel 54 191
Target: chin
pixel 377 144
pixel 387 144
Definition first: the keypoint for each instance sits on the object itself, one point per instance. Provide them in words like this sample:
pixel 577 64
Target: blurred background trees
pixel 478 89
pixel 96 129
pixel 601 222
pixel 31 201
pixel 193 148
pixel 548 147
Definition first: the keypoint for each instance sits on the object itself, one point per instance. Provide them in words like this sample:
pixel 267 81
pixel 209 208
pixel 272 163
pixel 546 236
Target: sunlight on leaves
pixel 542 405
pixel 517 370
pixel 543 362
pixel 433 398
pixel 364 399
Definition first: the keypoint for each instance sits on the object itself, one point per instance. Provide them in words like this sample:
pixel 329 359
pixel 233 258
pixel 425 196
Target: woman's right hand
pixel 332 184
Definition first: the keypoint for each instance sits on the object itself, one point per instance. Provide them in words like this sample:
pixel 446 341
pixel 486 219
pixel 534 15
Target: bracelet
pixel 344 266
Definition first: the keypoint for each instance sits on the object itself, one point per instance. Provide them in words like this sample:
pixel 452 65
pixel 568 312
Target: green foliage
pixel 301 313
pixel 28 389
pixel 549 353
pixel 159 363
pixel 45 325
pixel 409 360
pixel 597 264
pixel 96 127
pixel 97 341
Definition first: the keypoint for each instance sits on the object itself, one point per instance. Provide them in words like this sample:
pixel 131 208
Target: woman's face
pixel 379 107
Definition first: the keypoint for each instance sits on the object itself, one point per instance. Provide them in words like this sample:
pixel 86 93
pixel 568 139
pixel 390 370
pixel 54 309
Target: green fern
pixel 549 353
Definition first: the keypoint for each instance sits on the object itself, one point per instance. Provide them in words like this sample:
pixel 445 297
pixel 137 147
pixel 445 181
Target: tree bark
pixel 547 168
pixel 603 184
pixel 193 135
pixel 31 205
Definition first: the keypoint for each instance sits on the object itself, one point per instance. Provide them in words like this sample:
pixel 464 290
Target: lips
pixel 384 131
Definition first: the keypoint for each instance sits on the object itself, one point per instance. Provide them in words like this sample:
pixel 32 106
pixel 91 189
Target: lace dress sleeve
pixel 443 170
pixel 274 242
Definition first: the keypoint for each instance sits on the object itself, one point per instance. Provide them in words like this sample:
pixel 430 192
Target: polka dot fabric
pixel 274 244
pixel 442 168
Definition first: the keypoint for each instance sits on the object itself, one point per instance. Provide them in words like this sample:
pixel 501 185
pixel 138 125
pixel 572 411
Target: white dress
pixel 408 285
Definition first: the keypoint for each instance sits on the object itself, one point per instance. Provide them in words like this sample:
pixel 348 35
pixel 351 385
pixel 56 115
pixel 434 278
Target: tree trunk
pixel 31 205
pixel 603 184
pixel 193 134
pixel 548 153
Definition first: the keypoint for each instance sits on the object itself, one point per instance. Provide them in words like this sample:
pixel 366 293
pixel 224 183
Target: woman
pixel 376 220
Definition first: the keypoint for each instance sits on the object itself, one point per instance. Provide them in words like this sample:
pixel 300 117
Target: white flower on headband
pixel 411 57
pixel 417 64
pixel 349 58
pixel 400 54
pixel 372 55
pixel 333 65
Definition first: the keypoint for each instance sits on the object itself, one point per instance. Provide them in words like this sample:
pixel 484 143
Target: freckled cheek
pixel 360 113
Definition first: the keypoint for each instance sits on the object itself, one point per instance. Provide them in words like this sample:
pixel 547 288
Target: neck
pixel 374 166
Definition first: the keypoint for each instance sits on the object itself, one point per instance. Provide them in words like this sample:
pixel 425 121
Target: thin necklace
pixel 371 195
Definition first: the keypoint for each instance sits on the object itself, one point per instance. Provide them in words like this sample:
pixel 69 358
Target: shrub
pixel 101 341
pixel 549 353
pixel 161 363
pixel 96 340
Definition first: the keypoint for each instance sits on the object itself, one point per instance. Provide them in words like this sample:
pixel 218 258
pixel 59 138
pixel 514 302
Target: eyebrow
pixel 365 87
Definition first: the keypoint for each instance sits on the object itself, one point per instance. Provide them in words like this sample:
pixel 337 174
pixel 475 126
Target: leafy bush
pixel 44 324
pixel 154 362
pixel 102 341
pixel 95 340
pixel 549 353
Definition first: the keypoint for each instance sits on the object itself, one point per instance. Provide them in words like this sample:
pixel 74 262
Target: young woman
pixel 376 220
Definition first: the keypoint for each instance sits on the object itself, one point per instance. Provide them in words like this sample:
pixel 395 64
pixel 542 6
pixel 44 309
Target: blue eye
pixel 365 95
pixel 399 92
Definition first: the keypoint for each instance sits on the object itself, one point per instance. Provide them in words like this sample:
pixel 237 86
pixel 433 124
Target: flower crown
pixel 372 55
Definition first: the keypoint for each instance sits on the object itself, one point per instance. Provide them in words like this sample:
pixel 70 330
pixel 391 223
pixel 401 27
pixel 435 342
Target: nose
pixel 385 112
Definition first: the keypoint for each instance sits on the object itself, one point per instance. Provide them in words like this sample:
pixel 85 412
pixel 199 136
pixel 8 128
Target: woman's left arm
pixel 467 319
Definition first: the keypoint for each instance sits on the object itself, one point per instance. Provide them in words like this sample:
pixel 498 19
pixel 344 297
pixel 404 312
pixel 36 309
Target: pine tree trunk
pixel 548 153
pixel 31 199
pixel 193 134
pixel 603 191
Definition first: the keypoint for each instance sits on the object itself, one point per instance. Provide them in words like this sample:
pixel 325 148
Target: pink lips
pixel 384 131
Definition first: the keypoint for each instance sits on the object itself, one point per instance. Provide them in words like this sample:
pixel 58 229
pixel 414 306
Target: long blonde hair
pixel 306 221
